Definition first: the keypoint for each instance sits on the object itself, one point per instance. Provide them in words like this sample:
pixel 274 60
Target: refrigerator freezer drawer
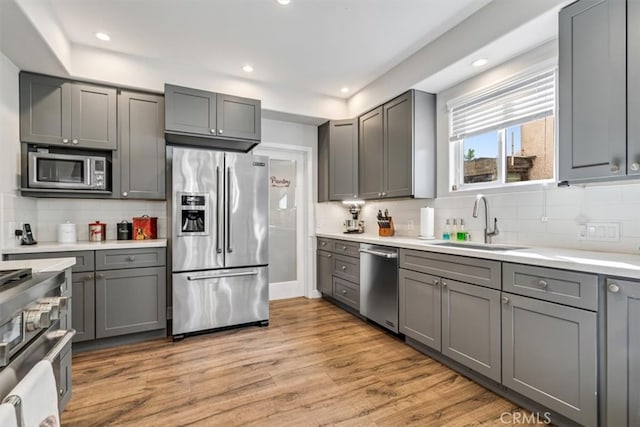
pixel 216 298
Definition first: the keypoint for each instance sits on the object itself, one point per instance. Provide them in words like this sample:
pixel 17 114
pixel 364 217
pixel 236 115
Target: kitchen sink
pixel 479 246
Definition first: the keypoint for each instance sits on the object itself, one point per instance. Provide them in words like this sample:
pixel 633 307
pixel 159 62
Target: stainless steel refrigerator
pixel 219 247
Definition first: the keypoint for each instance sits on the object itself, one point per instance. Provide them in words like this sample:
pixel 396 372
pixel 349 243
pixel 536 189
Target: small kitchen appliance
pixel 67 171
pixel 353 225
pixel 67 233
pixel 124 230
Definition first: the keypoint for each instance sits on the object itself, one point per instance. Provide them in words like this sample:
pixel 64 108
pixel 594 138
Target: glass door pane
pixel 283 265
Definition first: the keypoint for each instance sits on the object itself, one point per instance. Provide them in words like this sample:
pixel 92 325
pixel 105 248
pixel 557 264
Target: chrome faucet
pixel 488 233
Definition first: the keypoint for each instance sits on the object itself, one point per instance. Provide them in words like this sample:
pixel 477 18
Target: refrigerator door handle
pixel 223 275
pixel 229 197
pixel 218 208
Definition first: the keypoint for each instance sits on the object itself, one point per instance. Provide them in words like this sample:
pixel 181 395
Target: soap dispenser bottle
pixel 446 233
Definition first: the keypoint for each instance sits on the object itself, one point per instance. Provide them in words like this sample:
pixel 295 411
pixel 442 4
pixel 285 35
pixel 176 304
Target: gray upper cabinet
pixel 238 117
pixel 58 112
pixel 130 300
pixel 370 151
pixel 549 355
pixel 633 88
pixel 323 162
pixel 343 159
pixel 471 327
pixel 398 139
pixel 190 110
pixel 213 120
pixel 592 91
pixel 623 353
pixel 141 155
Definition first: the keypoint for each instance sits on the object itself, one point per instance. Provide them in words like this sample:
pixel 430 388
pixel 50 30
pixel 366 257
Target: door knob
pixel 614 168
pixel 613 288
pixel 379 194
pixel 65 140
pixel 505 299
pixel 635 166
pixel 344 292
pixel 443 283
pixel 436 281
pixel 344 267
pixel 329 256
pixel 125 194
pixel 74 141
pixel 543 284
pixel 384 194
pixel 220 131
pixel 213 131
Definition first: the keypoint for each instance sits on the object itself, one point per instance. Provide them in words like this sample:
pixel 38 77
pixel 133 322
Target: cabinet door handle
pixel 344 248
pixel 329 256
pixel 125 194
pixel 436 282
pixel 100 276
pixel 384 194
pixel 213 131
pixel 443 283
pixel 543 284
pixel 89 277
pixel 635 166
pixel 355 196
pixel 74 141
pixel 220 131
pixel 613 288
pixel 344 292
pixel 379 194
pixel 505 299
pixel 323 243
pixel 614 168
pixel 131 258
pixel 65 140
pixel 344 267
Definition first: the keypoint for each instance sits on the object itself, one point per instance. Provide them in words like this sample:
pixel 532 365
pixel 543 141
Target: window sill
pixel 504 188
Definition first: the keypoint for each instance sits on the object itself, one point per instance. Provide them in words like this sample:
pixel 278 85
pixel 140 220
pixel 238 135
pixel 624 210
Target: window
pixel 505 134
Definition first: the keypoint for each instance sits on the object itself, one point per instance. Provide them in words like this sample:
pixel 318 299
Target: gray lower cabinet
pixel 420 307
pixel 324 277
pixel 54 111
pixel 83 306
pixel 623 353
pixel 141 154
pixel 592 91
pixel 471 327
pixel 397 148
pixel 549 355
pixel 130 301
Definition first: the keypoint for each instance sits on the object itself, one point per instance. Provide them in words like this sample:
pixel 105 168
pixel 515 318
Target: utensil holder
pixel 386 231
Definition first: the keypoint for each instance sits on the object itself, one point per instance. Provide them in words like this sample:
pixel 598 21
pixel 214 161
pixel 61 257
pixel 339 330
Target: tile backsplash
pixel 44 215
pixel 543 217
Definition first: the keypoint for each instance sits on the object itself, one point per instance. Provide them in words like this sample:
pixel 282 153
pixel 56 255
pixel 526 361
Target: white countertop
pixel 606 263
pixel 85 246
pixel 39 265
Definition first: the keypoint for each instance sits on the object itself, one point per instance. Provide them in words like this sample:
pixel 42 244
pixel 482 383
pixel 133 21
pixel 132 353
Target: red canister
pixel 97 231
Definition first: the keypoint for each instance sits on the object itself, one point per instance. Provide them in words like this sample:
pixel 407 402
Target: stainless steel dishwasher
pixel 379 285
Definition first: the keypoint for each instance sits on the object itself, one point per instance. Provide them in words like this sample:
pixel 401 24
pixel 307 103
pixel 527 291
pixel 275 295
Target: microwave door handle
pixel 219 228
pixel 87 173
pixel 229 196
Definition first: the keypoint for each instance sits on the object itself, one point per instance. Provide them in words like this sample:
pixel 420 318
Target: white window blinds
pixel 518 101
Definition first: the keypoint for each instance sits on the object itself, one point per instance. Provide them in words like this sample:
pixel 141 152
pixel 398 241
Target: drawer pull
pixel 131 258
pixel 543 284
pixel 344 292
pixel 613 288
pixel 329 256
pixel 344 248
pixel 436 282
pixel 344 267
pixel 89 277
pixel 505 299
pixel 323 243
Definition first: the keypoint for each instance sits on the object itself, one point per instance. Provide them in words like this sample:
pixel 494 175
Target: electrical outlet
pixel 410 224
pixel 600 231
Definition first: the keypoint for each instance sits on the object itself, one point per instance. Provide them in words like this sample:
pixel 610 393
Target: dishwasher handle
pixel 382 254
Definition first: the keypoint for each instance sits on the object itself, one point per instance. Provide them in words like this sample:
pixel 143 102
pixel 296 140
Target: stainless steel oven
pixel 32 309
pixel 67 171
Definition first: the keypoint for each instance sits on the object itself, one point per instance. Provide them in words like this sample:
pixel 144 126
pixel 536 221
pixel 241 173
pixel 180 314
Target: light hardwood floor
pixel 314 365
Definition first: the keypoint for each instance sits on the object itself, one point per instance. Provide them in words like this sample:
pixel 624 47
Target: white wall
pixel 528 215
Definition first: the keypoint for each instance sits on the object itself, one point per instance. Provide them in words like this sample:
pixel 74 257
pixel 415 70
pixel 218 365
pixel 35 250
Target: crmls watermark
pixel 518 417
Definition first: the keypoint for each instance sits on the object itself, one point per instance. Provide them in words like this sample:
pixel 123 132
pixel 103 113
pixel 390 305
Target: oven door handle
pixel 66 337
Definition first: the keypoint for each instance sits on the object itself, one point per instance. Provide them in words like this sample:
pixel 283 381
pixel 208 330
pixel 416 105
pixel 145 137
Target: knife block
pixel 386 231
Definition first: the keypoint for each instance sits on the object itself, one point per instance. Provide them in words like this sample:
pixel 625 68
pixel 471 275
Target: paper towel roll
pixel 426 223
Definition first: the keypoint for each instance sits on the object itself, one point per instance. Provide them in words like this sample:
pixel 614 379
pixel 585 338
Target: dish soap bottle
pixel 446 233
pixel 461 234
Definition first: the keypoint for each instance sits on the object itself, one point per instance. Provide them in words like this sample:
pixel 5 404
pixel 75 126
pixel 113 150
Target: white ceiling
pixel 312 45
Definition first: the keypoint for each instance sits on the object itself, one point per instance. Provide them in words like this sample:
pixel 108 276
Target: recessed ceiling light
pixel 103 36
pixel 284 2
pixel 344 89
pixel 479 62
pixel 248 68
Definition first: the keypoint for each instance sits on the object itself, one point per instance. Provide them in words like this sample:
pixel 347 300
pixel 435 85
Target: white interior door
pixel 287 222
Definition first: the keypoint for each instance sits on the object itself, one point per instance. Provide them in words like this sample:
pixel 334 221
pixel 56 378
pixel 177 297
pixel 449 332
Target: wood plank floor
pixel 314 365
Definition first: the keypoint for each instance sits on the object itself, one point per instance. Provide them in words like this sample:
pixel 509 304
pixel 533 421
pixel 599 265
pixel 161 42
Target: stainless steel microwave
pixel 67 171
